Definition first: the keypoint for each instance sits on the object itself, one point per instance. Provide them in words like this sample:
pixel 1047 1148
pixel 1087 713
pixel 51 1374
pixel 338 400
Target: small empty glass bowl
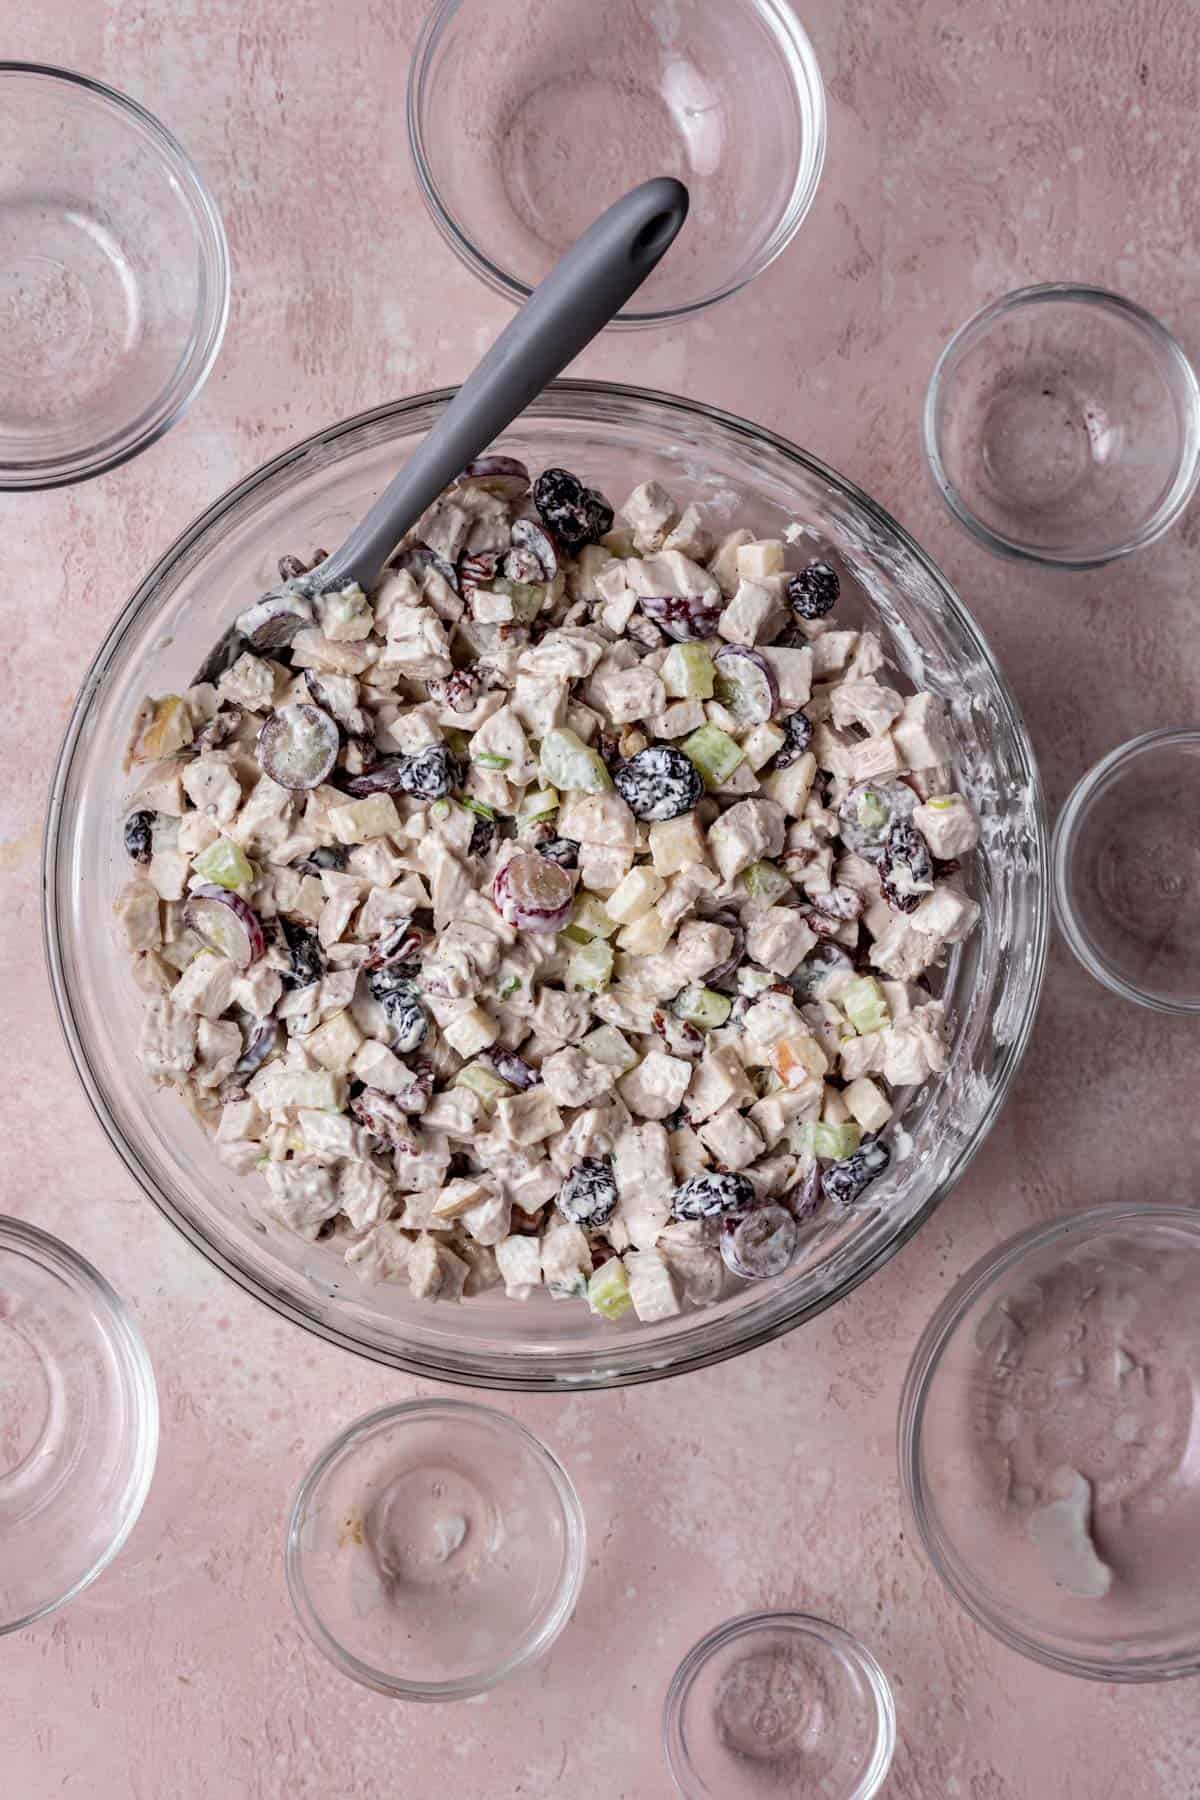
pixel 779 1703
pixel 1062 425
pixel 1048 1442
pixel 528 117
pixel 78 1424
pixel 114 278
pixel 434 1549
pixel 1126 871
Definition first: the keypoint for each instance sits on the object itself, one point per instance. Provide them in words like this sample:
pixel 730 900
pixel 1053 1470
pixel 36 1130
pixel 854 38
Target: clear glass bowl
pixel 779 1703
pixel 527 117
pixel 1062 425
pixel 78 1424
pixel 617 436
pixel 434 1549
pixel 1126 871
pixel 114 278
pixel 1047 1443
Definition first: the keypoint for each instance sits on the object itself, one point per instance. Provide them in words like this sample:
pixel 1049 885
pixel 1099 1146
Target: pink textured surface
pixel 971 149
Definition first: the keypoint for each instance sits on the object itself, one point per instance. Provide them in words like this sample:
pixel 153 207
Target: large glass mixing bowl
pixel 616 437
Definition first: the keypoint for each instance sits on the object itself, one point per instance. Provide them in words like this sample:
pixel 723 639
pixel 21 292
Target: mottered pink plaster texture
pixel 973 148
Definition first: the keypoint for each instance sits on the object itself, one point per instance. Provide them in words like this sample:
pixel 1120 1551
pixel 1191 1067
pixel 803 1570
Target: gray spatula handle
pixel 578 298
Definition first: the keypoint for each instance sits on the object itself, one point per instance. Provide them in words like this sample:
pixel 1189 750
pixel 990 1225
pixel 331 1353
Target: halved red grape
pixel 529 538
pixel 684 617
pixel 417 558
pixel 868 812
pixel 804 1199
pixel 298 746
pixel 744 682
pixel 226 924
pixel 274 620
pixel 265 1038
pixel 532 893
pixel 502 475
pixel 761 1244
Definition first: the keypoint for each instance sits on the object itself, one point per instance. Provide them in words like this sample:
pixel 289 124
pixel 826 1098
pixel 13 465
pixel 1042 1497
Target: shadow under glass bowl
pixel 526 118
pixel 615 436
pixel 114 278
pixel 1062 426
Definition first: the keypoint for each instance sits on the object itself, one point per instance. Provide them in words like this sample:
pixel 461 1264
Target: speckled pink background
pixel 972 148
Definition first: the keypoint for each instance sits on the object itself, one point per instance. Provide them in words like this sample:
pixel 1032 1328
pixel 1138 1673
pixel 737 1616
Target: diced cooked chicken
pixel 749 832
pixel 300 1195
pixel 652 1286
pixel 136 911
pixel 167 1048
pixel 572 1079
pixel 434 1272
pixel 655 1088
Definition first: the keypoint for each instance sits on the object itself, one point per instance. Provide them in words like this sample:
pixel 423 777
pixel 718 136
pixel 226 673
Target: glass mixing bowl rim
pixel 115 1324
pixel 119 446
pixel 713 1338
pixel 808 89
pixel 1166 346
pixel 1062 852
pixel 914 1397
pixel 535 1642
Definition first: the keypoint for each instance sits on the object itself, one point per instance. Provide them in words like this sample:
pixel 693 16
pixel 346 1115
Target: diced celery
pixel 538 805
pixel 460 743
pixel 865 1004
pixel 591 966
pixel 440 809
pixel 575 934
pixel 484 1082
pixel 942 802
pixel 608 1290
pixel 687 672
pixel 589 915
pixel 224 864
pixel 487 759
pixel 831 1143
pixel 714 753
pixel 566 762
pixel 754 981
pixel 702 1006
pixel 528 597
pixel 475 806
pixel 509 987
pixel 766 883
pixel 609 1046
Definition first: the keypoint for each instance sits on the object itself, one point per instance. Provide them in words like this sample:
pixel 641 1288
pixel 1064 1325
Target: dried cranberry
pixel 712 1196
pixel 139 833
pixel 906 867
pixel 814 591
pixel 483 836
pixel 798 728
pixel 845 1181
pixel 577 515
pixel 307 964
pixel 589 1194
pixel 659 783
pixel 560 850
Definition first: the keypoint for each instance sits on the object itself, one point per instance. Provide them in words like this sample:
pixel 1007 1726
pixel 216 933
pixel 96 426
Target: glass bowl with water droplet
pixel 1050 1443
pixel 435 1548
pixel 1062 425
pixel 114 278
pixel 1126 871
pixel 78 1424
pixel 777 1703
